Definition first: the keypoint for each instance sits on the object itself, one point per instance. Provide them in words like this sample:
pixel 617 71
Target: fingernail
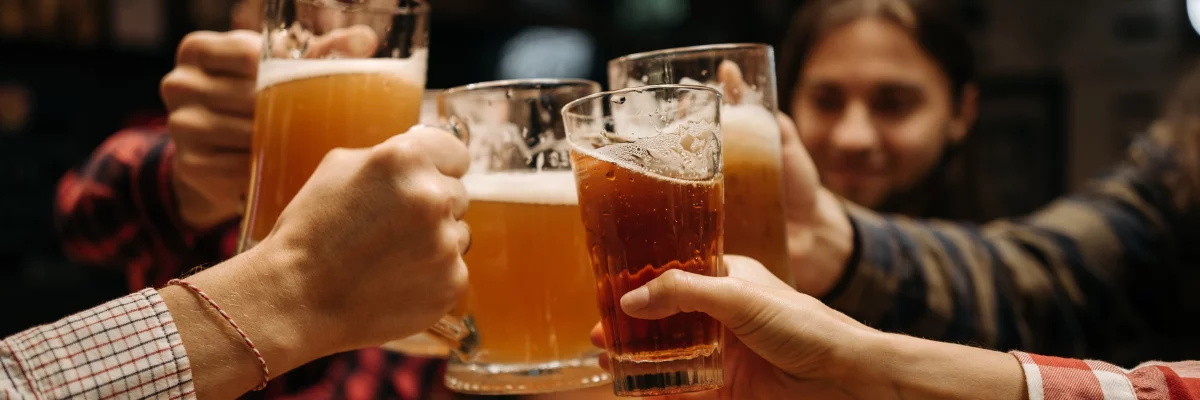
pixel 636 299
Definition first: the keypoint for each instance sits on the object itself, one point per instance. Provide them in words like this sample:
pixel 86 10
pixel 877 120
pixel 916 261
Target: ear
pixel 968 111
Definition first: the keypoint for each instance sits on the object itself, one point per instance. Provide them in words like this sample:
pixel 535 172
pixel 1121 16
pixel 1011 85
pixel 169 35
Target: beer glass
pixel 530 302
pixel 332 74
pixel 754 222
pixel 647 165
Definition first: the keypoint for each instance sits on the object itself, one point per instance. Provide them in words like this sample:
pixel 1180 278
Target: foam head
pixel 275 71
pixel 546 187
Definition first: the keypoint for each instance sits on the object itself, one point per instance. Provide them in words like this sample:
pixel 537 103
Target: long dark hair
pixel 936 25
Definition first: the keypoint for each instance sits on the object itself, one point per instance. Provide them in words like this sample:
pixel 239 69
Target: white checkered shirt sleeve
pixel 127 348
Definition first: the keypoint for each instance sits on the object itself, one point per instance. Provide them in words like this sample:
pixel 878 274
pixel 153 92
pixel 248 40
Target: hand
pixel 820 238
pixel 780 343
pixel 784 344
pixel 210 97
pixel 369 250
pixel 385 225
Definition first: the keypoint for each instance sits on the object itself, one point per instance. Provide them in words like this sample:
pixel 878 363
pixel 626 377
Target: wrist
pixel 820 244
pixel 900 366
pixel 259 290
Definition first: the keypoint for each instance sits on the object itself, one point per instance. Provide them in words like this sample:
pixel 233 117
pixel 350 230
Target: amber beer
pixel 640 226
pixel 531 296
pixel 754 221
pixel 755 224
pixel 305 108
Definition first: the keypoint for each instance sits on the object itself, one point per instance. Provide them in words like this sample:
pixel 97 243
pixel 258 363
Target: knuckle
pixel 184 122
pixel 193 44
pixel 177 85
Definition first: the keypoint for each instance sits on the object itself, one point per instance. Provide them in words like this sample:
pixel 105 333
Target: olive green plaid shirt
pixel 1109 272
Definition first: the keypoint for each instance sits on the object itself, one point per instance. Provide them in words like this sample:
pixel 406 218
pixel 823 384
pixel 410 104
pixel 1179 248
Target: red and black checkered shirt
pixel 118 211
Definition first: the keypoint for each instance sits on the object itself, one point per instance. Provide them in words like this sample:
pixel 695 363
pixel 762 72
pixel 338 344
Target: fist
pixel 210 99
pixel 381 234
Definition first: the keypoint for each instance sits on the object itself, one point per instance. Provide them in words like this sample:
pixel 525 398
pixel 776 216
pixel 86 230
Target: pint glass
pixel 647 165
pixel 754 220
pixel 530 303
pixel 332 74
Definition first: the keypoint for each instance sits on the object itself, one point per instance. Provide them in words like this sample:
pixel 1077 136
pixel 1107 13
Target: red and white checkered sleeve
pixel 1063 378
pixel 126 348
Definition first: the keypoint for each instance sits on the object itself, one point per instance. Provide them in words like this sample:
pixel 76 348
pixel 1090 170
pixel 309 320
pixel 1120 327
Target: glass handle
pixel 455 126
pixel 459 334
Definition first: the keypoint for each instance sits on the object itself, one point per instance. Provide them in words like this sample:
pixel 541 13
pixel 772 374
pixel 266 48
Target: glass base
pixel 495 379
pixel 420 345
pixel 672 375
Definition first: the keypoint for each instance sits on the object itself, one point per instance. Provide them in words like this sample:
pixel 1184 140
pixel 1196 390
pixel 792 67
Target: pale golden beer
pixel 530 304
pixel 754 217
pixel 531 294
pixel 305 108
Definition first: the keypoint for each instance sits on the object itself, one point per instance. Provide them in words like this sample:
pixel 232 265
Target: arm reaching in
pixel 788 344
pixel 329 278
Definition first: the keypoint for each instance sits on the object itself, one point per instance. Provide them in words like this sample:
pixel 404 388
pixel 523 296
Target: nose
pixel 855 133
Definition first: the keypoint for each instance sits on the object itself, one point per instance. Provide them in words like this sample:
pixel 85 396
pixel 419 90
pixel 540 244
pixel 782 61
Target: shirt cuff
pixel 128 347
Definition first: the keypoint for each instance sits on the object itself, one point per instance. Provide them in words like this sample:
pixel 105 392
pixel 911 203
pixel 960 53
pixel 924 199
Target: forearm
pixel 923 369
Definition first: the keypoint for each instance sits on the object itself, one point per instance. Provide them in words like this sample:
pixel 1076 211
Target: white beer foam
pixel 275 71
pixel 546 187
pixel 750 127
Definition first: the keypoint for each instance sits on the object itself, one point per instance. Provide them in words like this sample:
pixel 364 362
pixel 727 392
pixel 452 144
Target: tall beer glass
pixel 530 302
pixel 332 74
pixel 754 221
pixel 647 164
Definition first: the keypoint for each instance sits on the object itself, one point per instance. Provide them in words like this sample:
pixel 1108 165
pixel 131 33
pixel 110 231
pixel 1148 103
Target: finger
pixel 730 76
pixel 597 335
pixel 787 129
pixel 357 41
pixel 459 196
pixel 464 238
pixel 750 270
pixel 448 154
pixel 198 126
pixel 731 301
pixel 233 53
pixel 224 94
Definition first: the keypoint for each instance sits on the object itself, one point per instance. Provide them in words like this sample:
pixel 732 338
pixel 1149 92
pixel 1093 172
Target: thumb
pixel 356 41
pixel 729 300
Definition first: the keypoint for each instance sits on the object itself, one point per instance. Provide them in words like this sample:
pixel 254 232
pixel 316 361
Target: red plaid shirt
pixel 118 211
pixel 1064 378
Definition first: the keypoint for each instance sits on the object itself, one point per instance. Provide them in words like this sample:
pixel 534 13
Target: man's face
pixel 247 14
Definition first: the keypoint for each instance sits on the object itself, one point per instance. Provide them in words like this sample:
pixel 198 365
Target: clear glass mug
pixel 648 168
pixel 332 75
pixel 530 304
pixel 754 223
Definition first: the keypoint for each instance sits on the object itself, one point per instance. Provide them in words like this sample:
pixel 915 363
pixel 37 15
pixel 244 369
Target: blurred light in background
pixel 544 52
pixel 1193 12
pixel 639 14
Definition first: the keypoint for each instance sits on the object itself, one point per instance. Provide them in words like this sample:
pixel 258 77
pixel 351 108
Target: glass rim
pixel 536 83
pixel 688 50
pixel 409 7
pixel 565 111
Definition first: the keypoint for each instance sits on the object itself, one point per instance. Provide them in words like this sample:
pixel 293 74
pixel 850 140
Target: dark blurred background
pixel 1065 85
